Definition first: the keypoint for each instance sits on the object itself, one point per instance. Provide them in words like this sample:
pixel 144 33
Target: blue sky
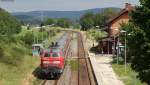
pixel 61 5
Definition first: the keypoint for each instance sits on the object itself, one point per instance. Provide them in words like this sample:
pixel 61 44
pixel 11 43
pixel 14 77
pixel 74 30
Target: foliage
pixel 42 36
pixel 86 21
pixel 89 20
pixel 15 63
pixel 128 77
pixel 49 21
pixel 100 19
pixel 8 24
pixel 94 34
pixel 63 22
pixel 136 53
pixel 28 38
pixel 130 29
pixel 139 41
pixel 31 37
pixel 15 57
pixel 141 62
pixel 109 13
pixel 76 26
pixel 14 54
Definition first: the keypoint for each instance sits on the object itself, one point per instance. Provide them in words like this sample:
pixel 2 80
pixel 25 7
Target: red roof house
pixel 114 24
pixel 108 45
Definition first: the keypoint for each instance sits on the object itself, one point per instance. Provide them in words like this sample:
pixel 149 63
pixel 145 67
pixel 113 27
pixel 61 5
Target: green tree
pixel 63 22
pixel 100 19
pixel 8 24
pixel 49 21
pixel 131 31
pixel 94 34
pixel 28 38
pixel 140 38
pixel 86 21
pixel 109 13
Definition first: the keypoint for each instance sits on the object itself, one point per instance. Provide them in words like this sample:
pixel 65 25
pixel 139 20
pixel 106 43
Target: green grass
pixel 74 64
pixel 128 76
pixel 37 82
pixel 16 64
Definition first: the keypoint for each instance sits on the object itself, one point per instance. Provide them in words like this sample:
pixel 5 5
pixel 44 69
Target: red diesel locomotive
pixel 52 62
pixel 52 59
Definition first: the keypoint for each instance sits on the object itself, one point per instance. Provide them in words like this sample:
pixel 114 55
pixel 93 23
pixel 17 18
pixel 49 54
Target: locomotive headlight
pixel 56 62
pixel 46 62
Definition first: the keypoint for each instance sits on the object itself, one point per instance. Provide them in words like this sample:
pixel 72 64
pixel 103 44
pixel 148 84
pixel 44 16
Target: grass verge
pixel 74 65
pixel 16 64
pixel 128 76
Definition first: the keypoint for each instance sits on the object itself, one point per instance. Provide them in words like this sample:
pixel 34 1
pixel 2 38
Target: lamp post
pixel 125 53
pixel 117 46
pixel 114 46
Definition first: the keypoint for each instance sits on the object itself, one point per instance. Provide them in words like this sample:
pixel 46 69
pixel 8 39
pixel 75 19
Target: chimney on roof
pixel 127 5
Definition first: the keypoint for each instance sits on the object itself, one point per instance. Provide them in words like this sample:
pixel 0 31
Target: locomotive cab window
pixel 47 55
pixel 55 55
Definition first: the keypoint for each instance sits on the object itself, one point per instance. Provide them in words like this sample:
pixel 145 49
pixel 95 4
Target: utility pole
pixel 42 22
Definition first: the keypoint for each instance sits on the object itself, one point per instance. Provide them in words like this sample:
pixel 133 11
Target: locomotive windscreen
pixel 47 54
pixel 55 54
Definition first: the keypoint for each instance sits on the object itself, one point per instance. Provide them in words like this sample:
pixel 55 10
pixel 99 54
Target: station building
pixel 113 27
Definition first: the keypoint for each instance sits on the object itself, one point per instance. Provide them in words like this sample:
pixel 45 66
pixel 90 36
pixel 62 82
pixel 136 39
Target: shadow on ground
pixel 40 75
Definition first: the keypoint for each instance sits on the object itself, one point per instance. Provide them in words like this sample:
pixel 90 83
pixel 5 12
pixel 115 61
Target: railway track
pixel 48 82
pixel 66 50
pixel 85 73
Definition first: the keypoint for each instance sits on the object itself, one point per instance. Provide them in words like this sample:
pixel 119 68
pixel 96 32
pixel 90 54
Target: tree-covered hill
pixel 72 15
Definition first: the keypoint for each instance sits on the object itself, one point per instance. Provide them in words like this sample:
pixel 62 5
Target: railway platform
pixel 103 71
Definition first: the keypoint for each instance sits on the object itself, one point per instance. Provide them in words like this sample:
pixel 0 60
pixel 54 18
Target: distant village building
pixel 108 45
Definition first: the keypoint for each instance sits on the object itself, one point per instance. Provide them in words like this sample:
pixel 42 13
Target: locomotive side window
pixel 47 55
pixel 55 55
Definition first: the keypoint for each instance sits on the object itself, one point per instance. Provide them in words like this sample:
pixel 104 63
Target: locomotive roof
pixel 55 49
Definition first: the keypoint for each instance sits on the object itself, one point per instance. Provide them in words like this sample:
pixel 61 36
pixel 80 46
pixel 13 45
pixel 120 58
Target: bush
pixel 28 38
pixel 63 22
pixel 94 34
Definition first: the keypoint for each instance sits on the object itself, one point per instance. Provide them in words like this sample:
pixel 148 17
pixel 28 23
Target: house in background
pixel 114 24
pixel 108 45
